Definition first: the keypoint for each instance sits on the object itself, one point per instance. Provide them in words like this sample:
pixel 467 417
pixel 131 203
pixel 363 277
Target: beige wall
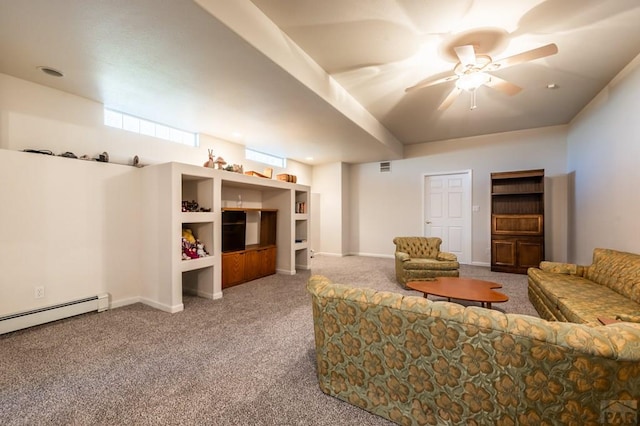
pixel 385 205
pixel 604 164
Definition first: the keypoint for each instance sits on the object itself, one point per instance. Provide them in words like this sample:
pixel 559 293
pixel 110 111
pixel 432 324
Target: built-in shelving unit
pixel 517 220
pixel 272 227
pixel 166 275
pixel 301 230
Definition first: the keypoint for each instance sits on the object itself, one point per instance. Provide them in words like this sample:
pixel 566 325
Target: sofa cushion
pixel 620 271
pixel 580 300
pixel 430 264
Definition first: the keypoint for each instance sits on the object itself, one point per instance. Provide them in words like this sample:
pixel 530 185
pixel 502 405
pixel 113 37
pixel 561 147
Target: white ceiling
pixel 333 87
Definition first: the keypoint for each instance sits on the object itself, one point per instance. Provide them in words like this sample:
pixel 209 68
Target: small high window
pixel 130 123
pixel 269 159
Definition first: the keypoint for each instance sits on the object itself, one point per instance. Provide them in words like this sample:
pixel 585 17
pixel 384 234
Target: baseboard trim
pixel 124 302
pixel 485 264
pixel 381 256
pixel 166 308
pixel 322 253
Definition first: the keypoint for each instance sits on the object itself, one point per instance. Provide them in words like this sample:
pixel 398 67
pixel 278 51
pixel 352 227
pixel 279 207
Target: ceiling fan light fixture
pixel 472 81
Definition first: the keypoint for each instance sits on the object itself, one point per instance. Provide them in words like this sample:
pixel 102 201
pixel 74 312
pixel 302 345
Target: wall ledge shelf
pixel 194 264
pixel 196 217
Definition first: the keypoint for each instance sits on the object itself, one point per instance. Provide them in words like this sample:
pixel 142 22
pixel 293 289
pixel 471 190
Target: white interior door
pixel 447 212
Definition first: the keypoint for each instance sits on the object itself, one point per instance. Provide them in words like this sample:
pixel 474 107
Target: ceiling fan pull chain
pixel 473 100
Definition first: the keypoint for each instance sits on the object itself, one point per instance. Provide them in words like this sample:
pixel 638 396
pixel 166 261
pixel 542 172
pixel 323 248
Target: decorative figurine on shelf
pixel 210 162
pixel 192 206
pixel 220 163
pixel 235 168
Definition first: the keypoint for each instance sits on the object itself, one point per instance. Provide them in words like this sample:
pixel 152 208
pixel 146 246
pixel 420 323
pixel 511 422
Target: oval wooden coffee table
pixel 461 288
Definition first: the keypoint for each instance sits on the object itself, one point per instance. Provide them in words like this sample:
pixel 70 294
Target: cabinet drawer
pixel 520 224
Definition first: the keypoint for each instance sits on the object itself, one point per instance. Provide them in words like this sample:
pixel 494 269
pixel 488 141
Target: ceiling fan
pixel 472 71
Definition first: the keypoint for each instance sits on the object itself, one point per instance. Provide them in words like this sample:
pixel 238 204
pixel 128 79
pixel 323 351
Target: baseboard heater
pixel 39 316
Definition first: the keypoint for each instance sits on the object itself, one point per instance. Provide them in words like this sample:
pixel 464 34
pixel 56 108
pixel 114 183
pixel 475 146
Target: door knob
pixel 428 222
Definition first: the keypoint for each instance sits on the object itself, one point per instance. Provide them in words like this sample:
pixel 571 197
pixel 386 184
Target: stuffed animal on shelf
pixel 187 234
pixel 200 249
pixel 189 250
pixel 192 248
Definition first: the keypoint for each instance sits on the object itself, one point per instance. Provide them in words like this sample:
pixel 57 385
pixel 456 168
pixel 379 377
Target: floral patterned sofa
pixel 415 361
pixel 608 288
pixel 420 258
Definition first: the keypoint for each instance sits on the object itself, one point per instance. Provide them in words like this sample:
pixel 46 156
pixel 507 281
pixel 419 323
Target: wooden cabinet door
pixel 260 263
pixel 516 254
pixel 503 252
pixel 530 252
pixel 253 264
pixel 268 265
pixel 233 269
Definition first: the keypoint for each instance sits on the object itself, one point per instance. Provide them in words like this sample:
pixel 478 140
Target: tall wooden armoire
pixel 517 220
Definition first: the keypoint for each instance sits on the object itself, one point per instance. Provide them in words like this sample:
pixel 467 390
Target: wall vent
pixel 385 166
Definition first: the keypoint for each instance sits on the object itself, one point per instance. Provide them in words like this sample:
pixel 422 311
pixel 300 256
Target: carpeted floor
pixel 246 359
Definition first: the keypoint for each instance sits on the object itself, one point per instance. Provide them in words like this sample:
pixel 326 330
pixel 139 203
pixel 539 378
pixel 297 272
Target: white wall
pixel 604 162
pixel 345 213
pixel 70 226
pixel 327 210
pixel 74 226
pixel 38 117
pixel 385 205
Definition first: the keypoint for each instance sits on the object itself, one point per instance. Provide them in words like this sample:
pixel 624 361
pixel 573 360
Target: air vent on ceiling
pixel 385 166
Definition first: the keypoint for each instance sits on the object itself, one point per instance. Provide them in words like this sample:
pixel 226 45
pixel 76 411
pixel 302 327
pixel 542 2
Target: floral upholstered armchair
pixel 420 258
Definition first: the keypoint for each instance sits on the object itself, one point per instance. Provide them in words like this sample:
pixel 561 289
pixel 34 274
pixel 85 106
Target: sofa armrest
pixel 447 256
pixel 628 318
pixel 562 268
pixel 402 256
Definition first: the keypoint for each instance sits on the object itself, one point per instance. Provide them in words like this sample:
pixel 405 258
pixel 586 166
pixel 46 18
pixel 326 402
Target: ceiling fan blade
pixel 529 55
pixel 452 96
pixel 427 83
pixel 503 85
pixel 466 54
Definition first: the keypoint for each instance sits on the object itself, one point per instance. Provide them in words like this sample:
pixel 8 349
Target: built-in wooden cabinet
pixel 248 262
pixel 517 220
